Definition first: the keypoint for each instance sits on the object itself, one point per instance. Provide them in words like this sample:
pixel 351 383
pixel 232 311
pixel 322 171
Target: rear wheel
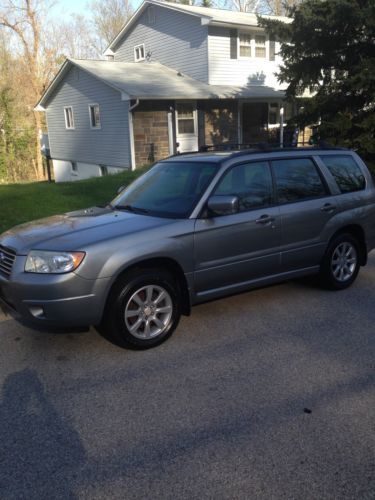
pixel 341 263
pixel 143 309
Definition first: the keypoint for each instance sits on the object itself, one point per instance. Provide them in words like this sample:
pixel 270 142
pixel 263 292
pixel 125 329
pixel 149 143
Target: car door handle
pixel 328 207
pixel 265 219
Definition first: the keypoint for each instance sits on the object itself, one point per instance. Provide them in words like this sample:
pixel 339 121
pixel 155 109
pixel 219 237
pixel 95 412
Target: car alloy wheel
pixel 344 261
pixel 148 312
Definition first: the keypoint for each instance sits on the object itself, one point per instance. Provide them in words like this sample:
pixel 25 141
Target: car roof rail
pixel 240 149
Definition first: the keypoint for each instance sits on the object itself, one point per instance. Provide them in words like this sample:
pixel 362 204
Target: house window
pixel 185 118
pixel 252 45
pixel 103 170
pixel 273 113
pixel 69 118
pixel 139 52
pixel 245 45
pixel 94 116
pixel 260 46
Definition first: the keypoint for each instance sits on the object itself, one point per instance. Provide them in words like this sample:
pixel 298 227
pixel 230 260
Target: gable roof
pixel 147 80
pixel 221 17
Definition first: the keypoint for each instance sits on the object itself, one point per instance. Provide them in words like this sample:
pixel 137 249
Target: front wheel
pixel 143 309
pixel 341 263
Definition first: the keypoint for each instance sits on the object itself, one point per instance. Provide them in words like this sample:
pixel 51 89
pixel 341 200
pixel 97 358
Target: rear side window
pixel 297 179
pixel 346 173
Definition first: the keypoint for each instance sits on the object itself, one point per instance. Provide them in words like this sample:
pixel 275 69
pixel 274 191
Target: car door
pixel 306 207
pixel 238 248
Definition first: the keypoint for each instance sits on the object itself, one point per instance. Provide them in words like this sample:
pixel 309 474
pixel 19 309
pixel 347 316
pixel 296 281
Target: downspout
pixel 131 134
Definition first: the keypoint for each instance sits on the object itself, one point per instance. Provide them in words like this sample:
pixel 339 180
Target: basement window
pixel 69 117
pixel 139 52
pixel 103 170
pixel 94 111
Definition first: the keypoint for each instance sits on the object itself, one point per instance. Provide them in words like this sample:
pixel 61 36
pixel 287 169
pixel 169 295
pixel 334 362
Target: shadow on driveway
pixel 39 451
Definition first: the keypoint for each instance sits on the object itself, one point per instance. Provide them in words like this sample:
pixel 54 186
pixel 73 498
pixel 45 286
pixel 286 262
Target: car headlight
pixel 39 261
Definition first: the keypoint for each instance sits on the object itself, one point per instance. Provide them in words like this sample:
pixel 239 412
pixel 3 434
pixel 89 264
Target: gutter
pixel 131 134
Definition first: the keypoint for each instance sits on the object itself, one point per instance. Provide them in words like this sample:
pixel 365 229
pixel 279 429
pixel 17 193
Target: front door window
pixel 185 118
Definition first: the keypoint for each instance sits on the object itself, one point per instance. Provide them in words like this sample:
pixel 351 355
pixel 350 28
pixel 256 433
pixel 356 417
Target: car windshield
pixel 169 189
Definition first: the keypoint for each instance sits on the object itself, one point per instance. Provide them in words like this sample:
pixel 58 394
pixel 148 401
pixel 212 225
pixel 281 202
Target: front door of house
pixel 254 122
pixel 186 126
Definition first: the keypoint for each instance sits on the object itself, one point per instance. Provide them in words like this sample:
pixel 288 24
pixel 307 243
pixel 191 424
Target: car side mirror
pixel 223 205
pixel 120 189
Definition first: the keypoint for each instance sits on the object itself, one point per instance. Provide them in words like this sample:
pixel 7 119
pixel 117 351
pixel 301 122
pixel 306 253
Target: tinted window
pixel 251 182
pixel 346 172
pixel 169 189
pixel 297 179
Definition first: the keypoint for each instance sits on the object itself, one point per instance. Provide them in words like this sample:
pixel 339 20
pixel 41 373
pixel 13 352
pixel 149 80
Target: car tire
pixel 143 310
pixel 341 262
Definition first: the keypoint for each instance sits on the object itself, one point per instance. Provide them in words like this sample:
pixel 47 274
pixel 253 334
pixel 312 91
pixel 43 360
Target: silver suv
pixel 193 228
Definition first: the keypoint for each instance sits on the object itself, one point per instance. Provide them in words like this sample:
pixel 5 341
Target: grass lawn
pixel 25 202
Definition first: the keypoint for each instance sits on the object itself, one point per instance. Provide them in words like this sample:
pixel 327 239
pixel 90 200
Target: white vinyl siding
pixel 109 145
pixel 247 71
pixel 174 39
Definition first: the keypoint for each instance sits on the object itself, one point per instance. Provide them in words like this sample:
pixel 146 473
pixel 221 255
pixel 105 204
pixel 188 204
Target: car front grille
pixel 7 259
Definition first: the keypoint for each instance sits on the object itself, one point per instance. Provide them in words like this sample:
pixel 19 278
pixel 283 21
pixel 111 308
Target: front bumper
pixel 52 300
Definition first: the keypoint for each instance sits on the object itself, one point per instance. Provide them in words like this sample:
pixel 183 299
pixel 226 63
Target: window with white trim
pixel 185 118
pixel 245 44
pixel 69 117
pixel 139 52
pixel 260 46
pixel 252 45
pixel 94 112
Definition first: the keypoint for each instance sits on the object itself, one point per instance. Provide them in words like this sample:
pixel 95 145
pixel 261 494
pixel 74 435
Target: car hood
pixel 75 230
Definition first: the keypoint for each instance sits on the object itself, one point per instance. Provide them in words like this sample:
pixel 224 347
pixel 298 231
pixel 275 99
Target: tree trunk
pixel 38 154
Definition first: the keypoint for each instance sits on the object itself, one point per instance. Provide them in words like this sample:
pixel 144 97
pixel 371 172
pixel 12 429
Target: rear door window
pixel 298 179
pixel 346 172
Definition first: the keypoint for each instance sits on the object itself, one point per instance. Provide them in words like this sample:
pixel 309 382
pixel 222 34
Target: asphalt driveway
pixel 270 394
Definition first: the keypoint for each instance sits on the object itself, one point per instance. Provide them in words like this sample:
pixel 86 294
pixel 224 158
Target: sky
pixel 64 8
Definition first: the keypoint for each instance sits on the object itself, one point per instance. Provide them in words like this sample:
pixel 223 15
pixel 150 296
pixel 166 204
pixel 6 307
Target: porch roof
pixel 148 80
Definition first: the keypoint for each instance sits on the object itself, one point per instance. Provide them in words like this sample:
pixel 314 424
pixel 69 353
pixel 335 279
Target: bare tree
pixel 279 7
pixel 75 38
pixel 24 20
pixel 108 17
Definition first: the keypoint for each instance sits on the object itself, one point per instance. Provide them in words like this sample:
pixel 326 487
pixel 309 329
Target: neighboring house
pixel 176 78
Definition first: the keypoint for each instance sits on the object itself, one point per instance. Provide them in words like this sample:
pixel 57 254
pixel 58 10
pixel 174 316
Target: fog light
pixel 37 311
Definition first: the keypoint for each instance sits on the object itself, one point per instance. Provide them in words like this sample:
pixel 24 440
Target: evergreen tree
pixel 328 50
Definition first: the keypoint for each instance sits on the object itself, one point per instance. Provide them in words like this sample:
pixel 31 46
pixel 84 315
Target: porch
pixel 163 128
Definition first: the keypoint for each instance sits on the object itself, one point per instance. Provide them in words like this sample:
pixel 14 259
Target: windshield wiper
pixel 130 208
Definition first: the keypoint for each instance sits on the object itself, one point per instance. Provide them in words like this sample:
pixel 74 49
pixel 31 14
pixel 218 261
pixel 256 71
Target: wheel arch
pixel 162 263
pixel 358 232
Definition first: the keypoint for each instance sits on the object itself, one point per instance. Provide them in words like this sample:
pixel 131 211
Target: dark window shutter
pixel 233 44
pixel 272 50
